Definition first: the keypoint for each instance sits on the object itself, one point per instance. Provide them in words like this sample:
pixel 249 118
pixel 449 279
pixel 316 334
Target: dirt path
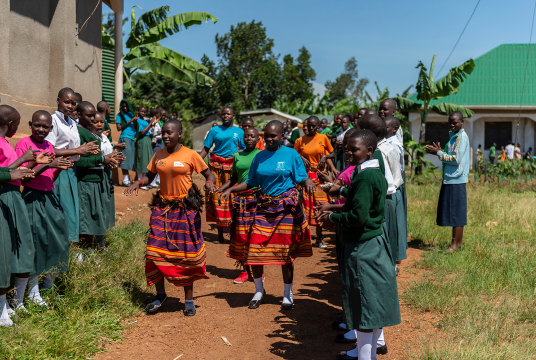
pixel 267 332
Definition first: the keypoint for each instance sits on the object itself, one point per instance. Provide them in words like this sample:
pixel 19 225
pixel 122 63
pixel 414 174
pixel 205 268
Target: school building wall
pixel 40 53
pixel 475 127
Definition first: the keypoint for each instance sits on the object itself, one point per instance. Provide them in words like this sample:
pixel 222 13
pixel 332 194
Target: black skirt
pixel 452 205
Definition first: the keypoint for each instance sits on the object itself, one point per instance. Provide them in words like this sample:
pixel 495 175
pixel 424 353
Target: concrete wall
pixel 475 129
pixel 201 129
pixel 40 54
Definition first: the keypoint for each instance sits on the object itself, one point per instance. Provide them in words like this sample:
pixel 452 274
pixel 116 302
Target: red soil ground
pixel 267 332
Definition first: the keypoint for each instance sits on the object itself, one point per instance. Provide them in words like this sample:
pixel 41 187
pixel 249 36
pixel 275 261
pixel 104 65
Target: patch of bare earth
pixel 267 332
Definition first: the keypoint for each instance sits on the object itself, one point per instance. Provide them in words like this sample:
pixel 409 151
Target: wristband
pixel 141 180
pixel 209 181
pixel 329 217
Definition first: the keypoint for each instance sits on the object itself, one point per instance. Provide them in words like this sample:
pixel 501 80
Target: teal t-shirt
pixel 242 162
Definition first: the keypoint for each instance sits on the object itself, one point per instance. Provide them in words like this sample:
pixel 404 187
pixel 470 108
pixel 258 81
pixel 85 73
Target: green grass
pixel 485 293
pixel 96 300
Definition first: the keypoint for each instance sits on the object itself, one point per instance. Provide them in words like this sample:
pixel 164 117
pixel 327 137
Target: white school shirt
pixel 340 137
pixel 400 135
pixel 154 131
pixel 64 134
pixel 390 153
pixel 106 146
pixel 393 140
pixel 510 151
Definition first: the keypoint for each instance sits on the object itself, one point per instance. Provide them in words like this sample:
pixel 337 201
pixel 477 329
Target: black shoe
pixel 157 302
pixel 341 339
pixel 336 325
pixel 253 304
pixel 286 306
pixel 189 312
pixel 382 350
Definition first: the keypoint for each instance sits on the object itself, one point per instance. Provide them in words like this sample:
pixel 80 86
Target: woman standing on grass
pixel 175 247
pixel 279 232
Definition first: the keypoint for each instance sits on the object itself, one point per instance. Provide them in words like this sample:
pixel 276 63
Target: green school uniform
pixel 242 162
pixel 90 173
pixel 5 239
pixel 370 295
pixel 106 128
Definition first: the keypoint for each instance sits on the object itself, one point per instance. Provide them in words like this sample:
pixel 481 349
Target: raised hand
pixel 21 174
pixel 61 163
pixel 44 158
pixel 121 146
pixel 89 148
pixel 29 155
pixel 433 149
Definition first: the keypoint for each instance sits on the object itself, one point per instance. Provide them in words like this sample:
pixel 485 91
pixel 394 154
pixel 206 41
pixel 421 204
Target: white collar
pixel 60 115
pixel 369 164
pixel 294 129
pixel 382 141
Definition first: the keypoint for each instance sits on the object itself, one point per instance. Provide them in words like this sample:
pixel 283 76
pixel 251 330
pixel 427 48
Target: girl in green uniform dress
pixel 370 296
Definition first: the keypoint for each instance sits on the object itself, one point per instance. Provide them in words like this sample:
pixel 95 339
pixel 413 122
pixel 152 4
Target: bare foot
pixel 452 248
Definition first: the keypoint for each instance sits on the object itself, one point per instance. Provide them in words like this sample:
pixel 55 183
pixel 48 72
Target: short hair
pixel 276 124
pixel 293 123
pixel 392 120
pixel 457 114
pixel 102 106
pixel 154 111
pixel 252 129
pixel 175 122
pixel 367 136
pixel 65 90
pixel 247 119
pixel 78 97
pixel 42 113
pixel 370 112
pixel 99 113
pixel 228 107
pixel 348 116
pixel 84 105
pixel 313 118
pixel 142 107
pixel 390 101
pixel 373 123
pixel 350 131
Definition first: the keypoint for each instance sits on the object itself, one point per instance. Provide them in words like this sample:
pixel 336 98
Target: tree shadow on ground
pixel 419 244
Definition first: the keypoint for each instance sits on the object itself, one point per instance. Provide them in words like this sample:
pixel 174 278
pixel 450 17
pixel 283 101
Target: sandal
pixel 158 301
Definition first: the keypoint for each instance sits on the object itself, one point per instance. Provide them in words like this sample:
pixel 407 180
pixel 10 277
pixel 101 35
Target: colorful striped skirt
pixel 279 232
pixel 310 201
pixel 175 247
pixel 216 213
pixel 243 210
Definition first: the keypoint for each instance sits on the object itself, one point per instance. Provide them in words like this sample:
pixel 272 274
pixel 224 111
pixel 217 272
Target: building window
pixel 437 132
pixel 497 132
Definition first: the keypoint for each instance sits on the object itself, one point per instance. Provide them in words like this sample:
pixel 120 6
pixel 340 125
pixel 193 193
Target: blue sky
pixel 388 38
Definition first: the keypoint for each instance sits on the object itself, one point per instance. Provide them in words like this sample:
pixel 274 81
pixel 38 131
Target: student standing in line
pixel 144 148
pixel 294 133
pixel 175 247
pixel 492 151
pixel 227 140
pixel 452 204
pixel 280 232
pixel 125 121
pixel 247 123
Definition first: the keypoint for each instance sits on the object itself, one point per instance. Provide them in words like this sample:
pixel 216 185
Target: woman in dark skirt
pixel 452 205
pixel 175 247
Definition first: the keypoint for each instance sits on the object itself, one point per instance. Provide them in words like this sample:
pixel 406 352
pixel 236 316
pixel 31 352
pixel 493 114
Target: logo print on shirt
pixel 178 164
pixel 236 136
pixel 280 166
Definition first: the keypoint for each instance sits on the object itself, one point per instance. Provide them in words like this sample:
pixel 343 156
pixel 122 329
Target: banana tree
pixel 429 90
pixel 148 55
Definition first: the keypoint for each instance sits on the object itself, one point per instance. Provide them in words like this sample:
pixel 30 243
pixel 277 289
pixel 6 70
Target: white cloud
pixel 319 89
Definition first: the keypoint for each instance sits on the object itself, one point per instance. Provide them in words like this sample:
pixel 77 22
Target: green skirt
pixel 48 231
pixel 66 190
pixel 369 289
pixel 93 212
pixel 22 246
pixel 402 227
pixel 109 198
pixel 144 154
pixel 5 252
pixel 390 228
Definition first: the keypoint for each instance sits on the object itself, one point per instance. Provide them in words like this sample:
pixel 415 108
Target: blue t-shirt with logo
pixel 130 131
pixel 226 140
pixel 276 171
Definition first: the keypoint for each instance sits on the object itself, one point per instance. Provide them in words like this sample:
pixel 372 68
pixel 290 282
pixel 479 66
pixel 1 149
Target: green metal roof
pixel 497 79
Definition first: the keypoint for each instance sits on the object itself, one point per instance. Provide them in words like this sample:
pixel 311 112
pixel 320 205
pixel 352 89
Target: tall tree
pixel 347 84
pixel 248 75
pixel 298 76
pixel 203 98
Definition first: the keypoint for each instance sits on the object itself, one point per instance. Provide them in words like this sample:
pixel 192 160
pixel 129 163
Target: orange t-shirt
pixel 260 144
pixel 176 170
pixel 313 148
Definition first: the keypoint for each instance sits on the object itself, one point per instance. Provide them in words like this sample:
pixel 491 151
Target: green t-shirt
pixel 242 162
pixel 294 135
pixel 492 151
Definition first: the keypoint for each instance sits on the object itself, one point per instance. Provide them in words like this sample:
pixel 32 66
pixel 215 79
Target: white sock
pixel 351 335
pixel 259 289
pixel 140 175
pixel 376 333
pixel 18 291
pixel 189 304
pixel 4 317
pixel 49 280
pixel 364 346
pixel 156 181
pixel 126 178
pixel 34 294
pixel 381 340
pixel 287 294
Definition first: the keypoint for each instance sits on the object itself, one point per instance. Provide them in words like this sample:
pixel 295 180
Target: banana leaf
pixel 107 40
pixel 450 84
pixel 146 21
pixel 447 108
pixel 161 60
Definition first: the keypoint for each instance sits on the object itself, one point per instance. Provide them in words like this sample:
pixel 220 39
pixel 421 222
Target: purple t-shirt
pixel 45 180
pixel 7 157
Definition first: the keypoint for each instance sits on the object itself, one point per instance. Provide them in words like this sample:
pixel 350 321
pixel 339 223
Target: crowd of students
pixel 348 177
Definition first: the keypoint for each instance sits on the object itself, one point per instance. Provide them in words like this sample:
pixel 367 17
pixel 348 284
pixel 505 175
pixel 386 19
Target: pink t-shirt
pixel 346 177
pixel 45 180
pixel 7 157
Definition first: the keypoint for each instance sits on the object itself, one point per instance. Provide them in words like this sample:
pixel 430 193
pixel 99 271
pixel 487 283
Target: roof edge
pixel 270 110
